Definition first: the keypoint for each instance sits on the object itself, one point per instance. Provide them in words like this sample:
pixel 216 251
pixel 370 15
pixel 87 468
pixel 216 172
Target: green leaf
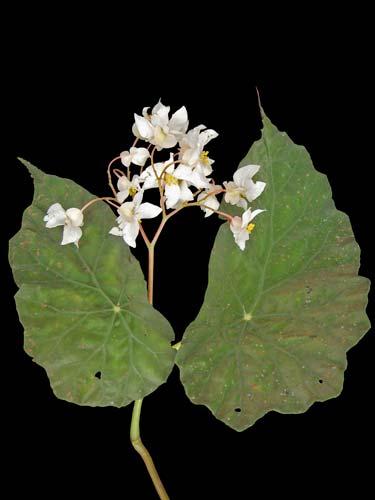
pixel 278 318
pixel 85 312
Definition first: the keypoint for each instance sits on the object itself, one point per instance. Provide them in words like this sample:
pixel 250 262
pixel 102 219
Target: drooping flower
pixel 138 156
pixel 127 187
pixel 241 227
pixel 71 219
pixel 130 216
pixel 192 151
pixel 243 189
pixel 210 202
pixel 158 129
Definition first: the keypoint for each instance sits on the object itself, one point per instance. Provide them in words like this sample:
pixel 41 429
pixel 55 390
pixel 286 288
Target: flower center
pixel 170 179
pixel 127 213
pixel 133 191
pixel 159 135
pixel 250 227
pixel 203 157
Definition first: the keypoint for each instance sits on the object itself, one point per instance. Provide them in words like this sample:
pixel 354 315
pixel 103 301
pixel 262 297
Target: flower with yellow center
pixel 156 127
pixel 203 157
pixel 174 181
pixel 170 179
pixel 241 227
pixel 127 187
pixel 192 152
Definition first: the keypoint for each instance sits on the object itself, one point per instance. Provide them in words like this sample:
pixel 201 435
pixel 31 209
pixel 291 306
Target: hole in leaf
pixel 237 410
pixel 320 381
pixel 98 375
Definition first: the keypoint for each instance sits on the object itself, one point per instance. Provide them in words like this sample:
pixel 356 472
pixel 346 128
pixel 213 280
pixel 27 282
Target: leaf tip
pixel 265 120
pixel 33 171
pixel 262 113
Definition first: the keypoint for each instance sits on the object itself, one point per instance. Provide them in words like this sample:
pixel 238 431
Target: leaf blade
pixel 297 277
pixel 85 312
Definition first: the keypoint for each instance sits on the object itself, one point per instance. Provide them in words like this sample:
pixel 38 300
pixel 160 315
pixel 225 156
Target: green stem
pixel 135 435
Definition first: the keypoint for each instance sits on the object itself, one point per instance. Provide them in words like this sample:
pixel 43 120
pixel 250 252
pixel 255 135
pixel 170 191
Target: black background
pixel 71 108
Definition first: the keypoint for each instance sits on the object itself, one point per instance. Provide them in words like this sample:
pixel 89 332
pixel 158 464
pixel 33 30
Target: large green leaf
pixel 278 318
pixel 85 312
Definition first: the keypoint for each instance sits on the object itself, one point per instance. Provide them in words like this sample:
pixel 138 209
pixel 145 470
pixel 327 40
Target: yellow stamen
pixel 204 157
pixel 169 179
pixel 250 227
pixel 133 191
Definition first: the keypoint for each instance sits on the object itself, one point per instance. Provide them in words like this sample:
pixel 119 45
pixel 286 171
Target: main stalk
pixel 135 436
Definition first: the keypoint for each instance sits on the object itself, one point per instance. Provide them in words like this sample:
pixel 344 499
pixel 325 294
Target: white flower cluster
pixel 182 180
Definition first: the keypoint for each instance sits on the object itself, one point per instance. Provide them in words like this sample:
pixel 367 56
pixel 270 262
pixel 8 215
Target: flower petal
pixel 211 202
pixel 122 195
pixel 126 158
pixel 165 141
pixel 75 216
pixel 56 216
pixel 255 213
pixel 195 177
pixel 137 200
pixel 185 193
pixel 172 194
pixel 123 183
pixel 139 156
pixel 130 233
pixel 241 239
pixel 206 136
pixel 148 211
pixel 145 111
pixel 236 224
pixel 183 172
pixel 254 189
pixel 179 121
pixel 144 127
pixel 116 231
pixel 161 110
pixel 244 173
pixel 71 234
pixel 247 216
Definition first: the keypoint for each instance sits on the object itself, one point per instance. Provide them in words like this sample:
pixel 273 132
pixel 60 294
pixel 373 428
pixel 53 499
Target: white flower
pixel 131 214
pixel 192 176
pixel 243 189
pixel 174 182
pixel 192 149
pixel 126 187
pixel 158 129
pixel 71 219
pixel 241 226
pixel 210 202
pixel 138 156
pixel 182 173
pixel 176 190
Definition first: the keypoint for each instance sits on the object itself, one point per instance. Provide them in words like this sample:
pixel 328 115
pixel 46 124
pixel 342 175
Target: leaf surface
pixel 85 311
pixel 278 318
